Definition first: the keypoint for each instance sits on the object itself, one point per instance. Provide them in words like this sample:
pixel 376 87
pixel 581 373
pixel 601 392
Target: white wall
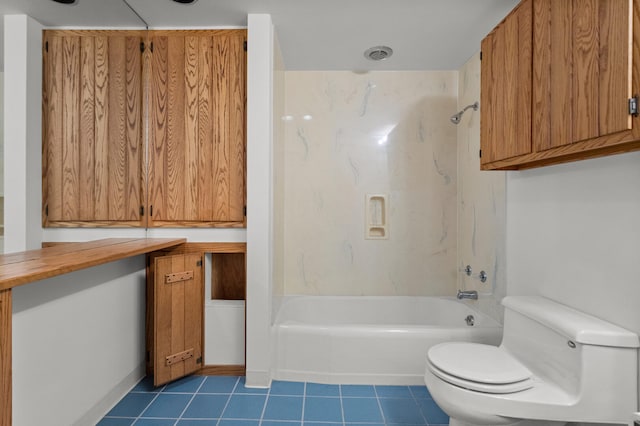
pixel 481 205
pixel 78 343
pixel 260 76
pixel 22 132
pixel 279 176
pixel 573 235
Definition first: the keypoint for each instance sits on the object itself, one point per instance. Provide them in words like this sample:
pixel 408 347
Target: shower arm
pixel 474 105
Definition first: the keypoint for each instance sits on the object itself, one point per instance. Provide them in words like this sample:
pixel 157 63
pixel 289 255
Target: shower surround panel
pixel 351 134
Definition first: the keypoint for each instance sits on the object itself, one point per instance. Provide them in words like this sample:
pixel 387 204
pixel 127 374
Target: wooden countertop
pixel 17 269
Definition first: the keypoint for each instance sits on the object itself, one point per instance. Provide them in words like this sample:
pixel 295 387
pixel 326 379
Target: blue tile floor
pixel 225 401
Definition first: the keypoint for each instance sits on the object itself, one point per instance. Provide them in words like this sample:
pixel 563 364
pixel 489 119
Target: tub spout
pixel 471 294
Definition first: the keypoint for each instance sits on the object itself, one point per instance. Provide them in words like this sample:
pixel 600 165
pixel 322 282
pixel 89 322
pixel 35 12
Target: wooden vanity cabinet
pixel 144 128
pixel 584 72
pixel 175 316
pixel 176 302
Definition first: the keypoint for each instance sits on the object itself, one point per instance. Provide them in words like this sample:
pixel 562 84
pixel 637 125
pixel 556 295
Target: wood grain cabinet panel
pixel 93 148
pixel 505 115
pixel 144 128
pixel 584 71
pixel 197 129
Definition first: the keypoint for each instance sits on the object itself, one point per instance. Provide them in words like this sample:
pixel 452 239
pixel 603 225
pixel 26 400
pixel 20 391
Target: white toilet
pixel 555 365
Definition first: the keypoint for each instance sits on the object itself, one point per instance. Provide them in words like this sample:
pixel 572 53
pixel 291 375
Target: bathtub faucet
pixel 471 294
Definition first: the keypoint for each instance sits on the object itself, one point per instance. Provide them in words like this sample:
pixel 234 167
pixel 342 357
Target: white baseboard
pixel 258 379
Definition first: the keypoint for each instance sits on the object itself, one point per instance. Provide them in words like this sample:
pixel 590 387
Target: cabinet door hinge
pixel 199 263
pixel 142 46
pixel 480 153
pixel 244 211
pixel 199 360
pixel 481 55
pixel 46 210
pixel 633 106
pixel 46 46
pixel 244 45
pixel 151 210
pixel 141 211
pixel 151 47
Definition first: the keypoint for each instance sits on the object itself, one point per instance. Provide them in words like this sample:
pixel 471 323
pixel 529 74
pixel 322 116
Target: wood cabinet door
pixel 505 107
pixel 93 152
pixel 197 128
pixel 178 317
pixel 582 70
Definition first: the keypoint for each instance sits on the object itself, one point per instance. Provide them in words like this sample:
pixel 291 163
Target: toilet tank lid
pixel 575 325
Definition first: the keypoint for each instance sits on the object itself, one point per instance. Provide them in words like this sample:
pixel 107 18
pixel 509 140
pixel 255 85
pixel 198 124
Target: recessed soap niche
pixel 376 217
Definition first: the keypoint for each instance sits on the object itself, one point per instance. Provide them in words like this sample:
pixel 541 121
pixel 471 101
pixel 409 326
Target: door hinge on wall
pixel 633 105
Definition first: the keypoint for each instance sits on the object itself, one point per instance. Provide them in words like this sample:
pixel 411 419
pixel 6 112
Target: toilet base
pixel 454 422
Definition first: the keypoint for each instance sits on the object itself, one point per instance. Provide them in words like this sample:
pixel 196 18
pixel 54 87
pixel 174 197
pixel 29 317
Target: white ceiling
pixel 314 35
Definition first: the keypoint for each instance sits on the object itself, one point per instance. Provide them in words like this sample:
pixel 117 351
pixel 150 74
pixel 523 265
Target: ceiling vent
pixel 378 53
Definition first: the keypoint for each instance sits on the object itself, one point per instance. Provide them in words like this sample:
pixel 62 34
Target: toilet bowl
pixel 555 365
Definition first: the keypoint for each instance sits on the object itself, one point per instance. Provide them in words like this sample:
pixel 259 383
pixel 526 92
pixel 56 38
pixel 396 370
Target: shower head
pixel 455 118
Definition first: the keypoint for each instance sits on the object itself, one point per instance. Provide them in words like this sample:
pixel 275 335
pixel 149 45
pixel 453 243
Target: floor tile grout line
pixel 148 405
pixel 341 405
pixel 233 391
pixel 193 395
pixel 415 400
pixel 264 406
pixel 304 401
pixel 375 391
pixel 150 402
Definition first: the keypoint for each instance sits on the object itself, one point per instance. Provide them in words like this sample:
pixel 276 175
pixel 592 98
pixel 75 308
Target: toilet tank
pixel 571 349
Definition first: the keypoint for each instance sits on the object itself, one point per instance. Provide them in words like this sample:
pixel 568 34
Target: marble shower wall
pixel 351 134
pixel 481 204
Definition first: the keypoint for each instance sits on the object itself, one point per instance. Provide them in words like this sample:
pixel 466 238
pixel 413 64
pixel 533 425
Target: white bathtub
pixel 369 340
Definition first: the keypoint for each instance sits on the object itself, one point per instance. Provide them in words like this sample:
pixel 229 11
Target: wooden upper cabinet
pixel 584 71
pixel 505 116
pixel 92 129
pixel 582 59
pixel 144 128
pixel 197 128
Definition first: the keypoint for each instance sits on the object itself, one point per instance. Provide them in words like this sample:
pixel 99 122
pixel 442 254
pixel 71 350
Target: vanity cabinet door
pixel 175 316
pixel 93 152
pixel 505 107
pixel 197 128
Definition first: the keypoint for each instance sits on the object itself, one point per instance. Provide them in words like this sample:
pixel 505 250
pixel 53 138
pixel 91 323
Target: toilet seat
pixel 482 368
